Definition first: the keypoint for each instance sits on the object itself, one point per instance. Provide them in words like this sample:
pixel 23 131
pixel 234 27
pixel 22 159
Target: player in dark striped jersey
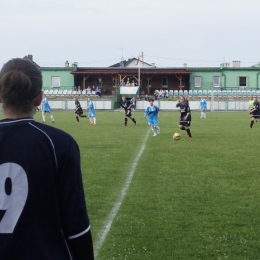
pixel 78 110
pixel 254 112
pixel 126 105
pixel 185 116
pixel 42 204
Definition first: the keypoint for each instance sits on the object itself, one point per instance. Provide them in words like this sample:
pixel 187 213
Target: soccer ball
pixel 176 136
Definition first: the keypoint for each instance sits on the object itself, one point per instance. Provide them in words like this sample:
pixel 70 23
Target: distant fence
pixel 221 105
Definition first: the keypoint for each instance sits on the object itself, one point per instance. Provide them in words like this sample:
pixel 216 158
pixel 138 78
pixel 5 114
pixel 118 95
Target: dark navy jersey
pixel 184 109
pixel 42 200
pixel 125 104
pixel 256 108
pixel 78 106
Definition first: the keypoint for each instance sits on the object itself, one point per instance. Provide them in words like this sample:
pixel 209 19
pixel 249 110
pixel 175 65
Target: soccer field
pixel 166 199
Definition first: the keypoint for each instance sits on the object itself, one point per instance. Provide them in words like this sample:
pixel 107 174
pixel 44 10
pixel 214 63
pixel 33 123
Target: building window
pixel 165 82
pixel 243 81
pixel 197 82
pixel 216 81
pixel 55 82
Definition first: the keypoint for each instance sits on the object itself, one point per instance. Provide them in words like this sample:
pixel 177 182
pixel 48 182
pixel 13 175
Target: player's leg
pixel 153 130
pixel 52 118
pixel 90 118
pixel 130 116
pixel 77 116
pixel 43 117
pixel 204 114
pixel 125 124
pixel 201 114
pixel 188 131
pixel 252 121
pixel 94 120
pixel 155 121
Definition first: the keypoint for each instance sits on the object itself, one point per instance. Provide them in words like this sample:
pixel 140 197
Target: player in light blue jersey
pixel 203 107
pixel 152 112
pixel 91 112
pixel 46 109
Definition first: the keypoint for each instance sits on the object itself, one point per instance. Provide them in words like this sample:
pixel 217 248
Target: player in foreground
pixel 203 107
pixel 42 202
pixel 185 116
pixel 126 105
pixel 91 112
pixel 46 109
pixel 153 114
pixel 78 110
pixel 254 113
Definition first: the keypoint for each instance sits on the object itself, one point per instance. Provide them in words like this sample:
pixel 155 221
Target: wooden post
pixel 84 81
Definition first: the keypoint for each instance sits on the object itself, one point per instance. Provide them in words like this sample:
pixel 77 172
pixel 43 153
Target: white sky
pixel 169 32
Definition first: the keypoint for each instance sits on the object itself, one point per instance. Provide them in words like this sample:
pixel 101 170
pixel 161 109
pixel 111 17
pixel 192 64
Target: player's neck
pixel 13 114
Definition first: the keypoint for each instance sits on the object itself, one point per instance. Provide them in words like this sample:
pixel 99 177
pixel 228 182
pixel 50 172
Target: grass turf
pixel 189 199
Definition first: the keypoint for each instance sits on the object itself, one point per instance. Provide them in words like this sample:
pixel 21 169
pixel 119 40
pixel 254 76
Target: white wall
pixel 128 90
pixel 195 105
pixel 65 104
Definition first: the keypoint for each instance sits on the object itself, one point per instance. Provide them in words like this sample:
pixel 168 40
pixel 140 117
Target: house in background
pixel 151 77
pixel 225 77
pixel 228 76
pixel 58 77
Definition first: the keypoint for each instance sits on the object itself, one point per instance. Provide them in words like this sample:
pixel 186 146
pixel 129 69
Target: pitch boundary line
pixel 109 220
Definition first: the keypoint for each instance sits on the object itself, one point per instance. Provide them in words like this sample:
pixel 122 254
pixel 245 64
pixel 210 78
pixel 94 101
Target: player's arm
pixel 82 247
pixel 146 112
pixel 130 105
pixel 188 113
pixel 74 218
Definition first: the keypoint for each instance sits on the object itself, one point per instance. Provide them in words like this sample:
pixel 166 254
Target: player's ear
pixel 38 99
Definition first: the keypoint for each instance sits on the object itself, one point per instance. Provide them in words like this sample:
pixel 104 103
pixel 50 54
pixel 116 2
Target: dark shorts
pixel 79 112
pixel 186 122
pixel 128 113
pixel 255 114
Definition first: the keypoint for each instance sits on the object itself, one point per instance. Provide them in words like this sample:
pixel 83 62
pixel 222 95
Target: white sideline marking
pixel 109 221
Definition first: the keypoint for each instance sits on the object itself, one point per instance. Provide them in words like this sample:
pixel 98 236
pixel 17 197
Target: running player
pixel 185 116
pixel 254 113
pixel 203 107
pixel 42 203
pixel 78 110
pixel 153 114
pixel 46 109
pixel 91 112
pixel 126 105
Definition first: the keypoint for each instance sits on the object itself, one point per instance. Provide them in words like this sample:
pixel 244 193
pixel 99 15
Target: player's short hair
pixel 20 83
pixel 151 99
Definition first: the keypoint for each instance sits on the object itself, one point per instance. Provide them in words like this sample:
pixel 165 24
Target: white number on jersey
pixel 13 195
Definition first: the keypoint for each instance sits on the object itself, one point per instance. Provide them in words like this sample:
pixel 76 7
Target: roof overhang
pixel 127 71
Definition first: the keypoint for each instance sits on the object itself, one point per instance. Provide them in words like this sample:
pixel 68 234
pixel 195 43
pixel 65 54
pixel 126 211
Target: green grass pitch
pixel 188 199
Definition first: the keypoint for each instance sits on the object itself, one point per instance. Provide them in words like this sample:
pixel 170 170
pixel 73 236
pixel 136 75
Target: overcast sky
pixel 98 32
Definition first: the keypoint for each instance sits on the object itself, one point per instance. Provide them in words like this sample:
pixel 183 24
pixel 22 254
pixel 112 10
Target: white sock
pixel 95 120
pixel 90 119
pixel 52 118
pixel 153 130
pixel 158 128
pixel 201 114
pixel 43 118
